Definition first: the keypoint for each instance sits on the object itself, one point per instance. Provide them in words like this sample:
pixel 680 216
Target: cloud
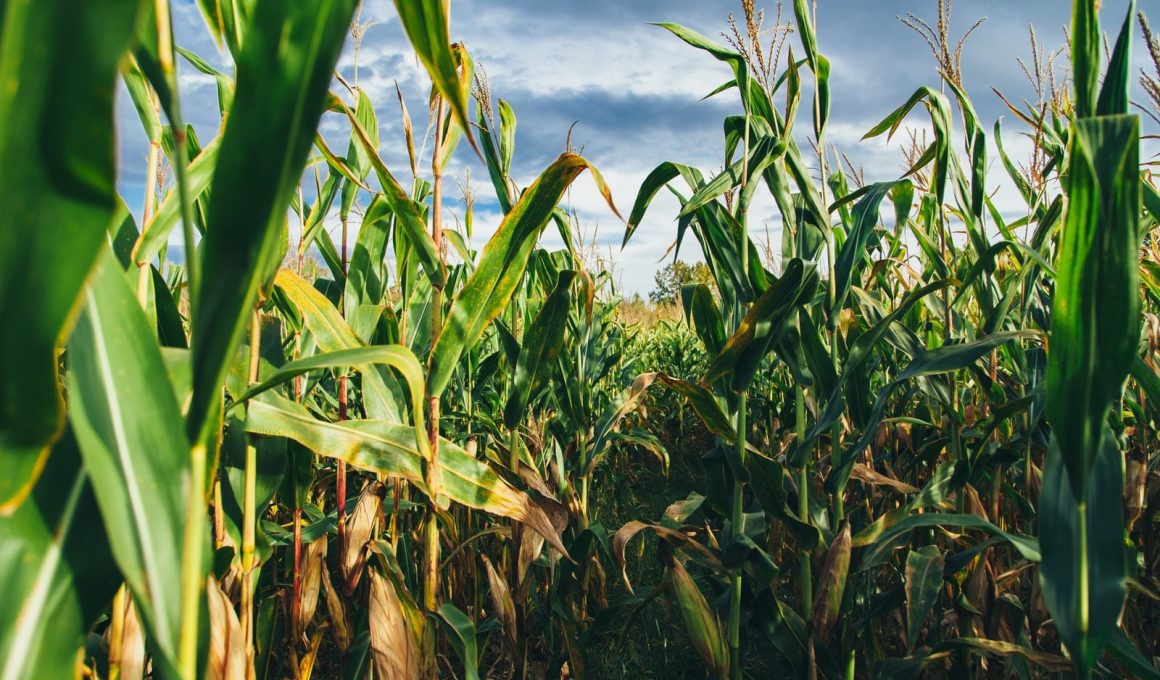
pixel 634 92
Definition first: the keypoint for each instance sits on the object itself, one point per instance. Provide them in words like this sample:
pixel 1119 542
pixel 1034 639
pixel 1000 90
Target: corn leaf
pixel 1084 569
pixel 284 72
pixel 398 357
pixel 55 560
pixel 542 342
pixel 703 626
pixel 502 265
pixel 129 428
pixel 924 577
pixel 744 351
pixel 383 399
pixel 390 449
pixel 58 197
pixel 428 27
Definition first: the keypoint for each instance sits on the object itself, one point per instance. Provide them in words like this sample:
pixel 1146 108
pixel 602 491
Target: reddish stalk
pixel 340 476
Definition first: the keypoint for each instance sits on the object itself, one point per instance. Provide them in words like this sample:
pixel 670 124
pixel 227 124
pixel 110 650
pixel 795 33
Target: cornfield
pixel 915 439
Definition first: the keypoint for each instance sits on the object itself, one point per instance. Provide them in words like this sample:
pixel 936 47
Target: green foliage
pixel 57 108
pixel 877 449
pixel 674 276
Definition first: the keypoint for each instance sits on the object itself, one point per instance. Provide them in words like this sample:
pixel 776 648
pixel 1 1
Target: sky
pixel 633 95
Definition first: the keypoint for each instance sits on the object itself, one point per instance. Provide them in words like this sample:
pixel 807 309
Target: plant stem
pixel 737 517
pixel 737 520
pixel 117 632
pixel 431 567
pixel 296 580
pixel 192 578
pixel 1084 595
pixel 192 575
pixel 340 471
pixel 249 509
pixel 147 213
pixel 806 568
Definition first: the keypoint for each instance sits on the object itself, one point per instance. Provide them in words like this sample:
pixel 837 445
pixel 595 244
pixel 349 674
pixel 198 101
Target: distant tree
pixel 679 273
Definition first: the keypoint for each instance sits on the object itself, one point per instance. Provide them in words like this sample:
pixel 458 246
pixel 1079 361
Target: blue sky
pixel 634 92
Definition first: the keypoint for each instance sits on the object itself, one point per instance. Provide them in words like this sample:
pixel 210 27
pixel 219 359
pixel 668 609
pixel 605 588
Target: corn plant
pixel 961 337
pixel 383 452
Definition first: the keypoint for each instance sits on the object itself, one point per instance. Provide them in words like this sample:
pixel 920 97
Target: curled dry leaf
pixel 396 656
pixel 532 542
pixel 866 475
pixel 126 639
pixel 306 663
pixel 339 616
pixel 501 600
pixel 359 527
pixel 676 538
pixel 1135 484
pixel 315 560
pixel 228 658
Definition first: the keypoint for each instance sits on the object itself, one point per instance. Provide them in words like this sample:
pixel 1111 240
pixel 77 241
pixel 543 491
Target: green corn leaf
pixel 155 234
pixel 1131 656
pixel 1085 55
pixel 1084 568
pixel 880 539
pixel 382 396
pixel 54 558
pixel 924 577
pixel 767 479
pixel 357 151
pixel 225 84
pixel 366 281
pixel 940 116
pixel 226 20
pixel 58 198
pixel 1147 379
pixel 1096 306
pixel 316 217
pixel 854 251
pixel 122 232
pixel 127 422
pixel 542 342
pixel 764 153
pixel 170 326
pixel 507 137
pixel 703 626
pixel 497 155
pixel 284 72
pixel 654 182
pixel 805 26
pixel 501 267
pixel 741 75
pixel 1115 93
pixel 832 583
pixel 704 404
pixel 141 94
pixel 702 313
pixel 822 103
pixel 396 356
pixel 939 360
pixel 408 213
pixel 390 449
pixel 743 352
pixel 427 25
pixel 462 636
